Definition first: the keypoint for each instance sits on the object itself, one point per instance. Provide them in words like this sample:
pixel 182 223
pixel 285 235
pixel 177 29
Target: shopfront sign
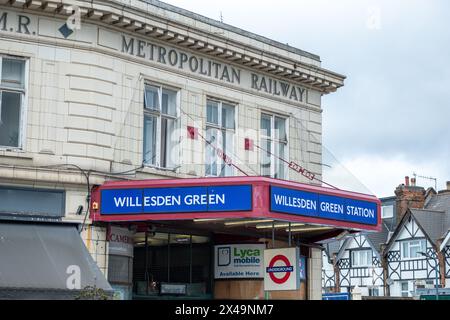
pixel 173 289
pixel 323 206
pixel 239 261
pixel 176 200
pixel 281 269
pixel 204 67
pixel 233 198
pixel 120 241
pixel 336 296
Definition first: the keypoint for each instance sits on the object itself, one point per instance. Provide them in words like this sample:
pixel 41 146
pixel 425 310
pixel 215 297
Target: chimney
pixel 447 190
pixel 408 196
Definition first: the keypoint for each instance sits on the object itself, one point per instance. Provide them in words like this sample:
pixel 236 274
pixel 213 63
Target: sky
pixel 392 117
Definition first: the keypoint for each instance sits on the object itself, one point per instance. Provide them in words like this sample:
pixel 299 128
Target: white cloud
pixel 380 176
pixel 391 117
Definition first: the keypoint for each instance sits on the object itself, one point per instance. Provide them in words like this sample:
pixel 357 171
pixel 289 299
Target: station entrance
pixel 167 249
pixel 160 264
pixel 171 266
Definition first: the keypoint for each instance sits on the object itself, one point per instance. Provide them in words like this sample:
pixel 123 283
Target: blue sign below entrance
pixel 336 296
pixel 176 200
pixel 318 205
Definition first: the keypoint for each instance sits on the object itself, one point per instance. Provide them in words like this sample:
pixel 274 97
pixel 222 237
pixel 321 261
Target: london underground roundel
pixel 280 274
pixel 280 266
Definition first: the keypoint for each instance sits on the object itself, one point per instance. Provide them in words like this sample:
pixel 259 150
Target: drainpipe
pixel 441 259
pixel 337 286
pixel 384 266
pixel 387 288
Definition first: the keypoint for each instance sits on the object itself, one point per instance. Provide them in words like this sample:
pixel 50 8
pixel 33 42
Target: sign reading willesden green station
pixel 239 261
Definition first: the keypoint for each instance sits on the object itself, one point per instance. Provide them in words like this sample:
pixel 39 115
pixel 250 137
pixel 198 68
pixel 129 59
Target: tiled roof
pixel 433 222
pixel 378 238
pixel 332 247
pixel 439 201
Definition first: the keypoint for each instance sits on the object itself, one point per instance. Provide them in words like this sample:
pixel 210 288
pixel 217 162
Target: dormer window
pixel 387 212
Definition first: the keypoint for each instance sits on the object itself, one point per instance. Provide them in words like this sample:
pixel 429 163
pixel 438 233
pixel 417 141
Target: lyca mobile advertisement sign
pixel 238 261
pixel 172 200
pixel 317 205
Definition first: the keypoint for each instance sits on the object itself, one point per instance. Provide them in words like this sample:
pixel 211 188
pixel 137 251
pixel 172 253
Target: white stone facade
pixel 84 96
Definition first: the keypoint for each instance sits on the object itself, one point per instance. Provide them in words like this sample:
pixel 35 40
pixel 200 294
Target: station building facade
pixel 100 91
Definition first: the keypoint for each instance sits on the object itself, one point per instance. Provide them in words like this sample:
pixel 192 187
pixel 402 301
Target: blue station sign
pixel 302 203
pixel 176 200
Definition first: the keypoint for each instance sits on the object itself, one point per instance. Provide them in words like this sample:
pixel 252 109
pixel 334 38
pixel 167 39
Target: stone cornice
pixel 136 16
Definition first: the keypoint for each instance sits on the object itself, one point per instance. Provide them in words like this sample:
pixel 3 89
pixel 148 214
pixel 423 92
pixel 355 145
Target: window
pixel 120 269
pixel 12 97
pixel 274 145
pixel 220 131
pixel 374 292
pixel 160 121
pixel 387 212
pixel 410 249
pixel 361 258
pixel 31 202
pixel 404 289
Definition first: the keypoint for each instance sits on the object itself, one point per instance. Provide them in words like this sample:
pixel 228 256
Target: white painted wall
pixel 327 272
pixel 409 230
pixel 369 281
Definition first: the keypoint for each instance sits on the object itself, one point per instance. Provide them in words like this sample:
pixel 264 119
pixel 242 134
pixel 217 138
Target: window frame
pixel 274 140
pixel 403 292
pixel 114 280
pixel 22 127
pixel 359 252
pixel 220 164
pixel 374 292
pixel 159 115
pixel 383 215
pixel 408 242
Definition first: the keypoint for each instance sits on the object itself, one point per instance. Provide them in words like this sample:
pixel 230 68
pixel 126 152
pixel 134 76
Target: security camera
pixel 79 210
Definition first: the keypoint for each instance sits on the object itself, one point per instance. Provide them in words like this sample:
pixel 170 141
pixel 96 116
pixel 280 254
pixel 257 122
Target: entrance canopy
pixel 240 200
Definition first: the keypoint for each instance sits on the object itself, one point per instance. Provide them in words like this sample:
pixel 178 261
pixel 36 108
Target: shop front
pixel 209 238
pixel 42 256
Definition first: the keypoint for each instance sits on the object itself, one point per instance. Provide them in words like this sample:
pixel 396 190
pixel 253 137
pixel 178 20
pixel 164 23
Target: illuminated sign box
pixel 176 200
pixel 234 198
pixel 297 202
